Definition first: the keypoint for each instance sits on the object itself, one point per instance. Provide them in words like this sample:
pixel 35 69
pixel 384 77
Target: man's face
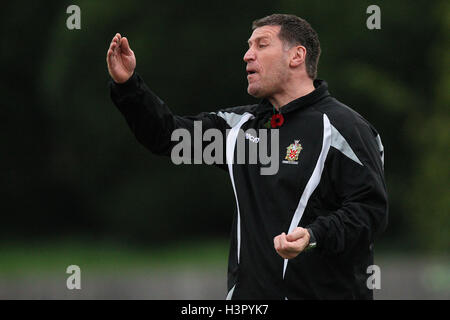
pixel 267 62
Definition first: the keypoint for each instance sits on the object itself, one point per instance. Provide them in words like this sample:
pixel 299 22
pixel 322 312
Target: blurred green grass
pixel 42 265
pixel 23 259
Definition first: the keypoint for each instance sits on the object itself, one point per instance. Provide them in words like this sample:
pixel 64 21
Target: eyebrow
pixel 257 39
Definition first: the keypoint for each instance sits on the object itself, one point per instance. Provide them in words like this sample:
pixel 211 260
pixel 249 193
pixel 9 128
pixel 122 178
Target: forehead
pixel 265 32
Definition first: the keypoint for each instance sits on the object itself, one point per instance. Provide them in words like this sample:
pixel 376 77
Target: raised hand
pixel 120 59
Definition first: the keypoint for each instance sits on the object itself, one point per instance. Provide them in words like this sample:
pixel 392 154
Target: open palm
pixel 120 59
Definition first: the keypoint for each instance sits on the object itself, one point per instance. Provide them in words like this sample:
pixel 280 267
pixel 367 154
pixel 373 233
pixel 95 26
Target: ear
pixel 298 56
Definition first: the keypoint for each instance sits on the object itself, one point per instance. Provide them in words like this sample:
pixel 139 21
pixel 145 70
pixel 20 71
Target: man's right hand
pixel 120 59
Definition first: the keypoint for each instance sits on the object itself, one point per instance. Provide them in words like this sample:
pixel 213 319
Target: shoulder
pixel 233 115
pixel 351 133
pixel 239 110
pixel 345 119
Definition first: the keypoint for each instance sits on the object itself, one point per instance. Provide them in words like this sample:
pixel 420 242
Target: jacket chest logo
pixel 292 152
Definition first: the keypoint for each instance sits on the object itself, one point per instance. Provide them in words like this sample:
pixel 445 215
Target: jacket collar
pixel 311 98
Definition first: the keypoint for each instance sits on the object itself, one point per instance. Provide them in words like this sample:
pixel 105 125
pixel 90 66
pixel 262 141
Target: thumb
pixel 125 46
pixel 296 234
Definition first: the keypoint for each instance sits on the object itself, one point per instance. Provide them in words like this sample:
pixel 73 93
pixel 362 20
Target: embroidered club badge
pixel 292 152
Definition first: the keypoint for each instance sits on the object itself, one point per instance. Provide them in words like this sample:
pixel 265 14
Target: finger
pixel 280 247
pixel 284 244
pixel 292 246
pixel 300 244
pixel 296 234
pixel 110 59
pixel 290 249
pixel 109 56
pixel 125 46
pixel 276 242
pixel 116 47
pixel 116 42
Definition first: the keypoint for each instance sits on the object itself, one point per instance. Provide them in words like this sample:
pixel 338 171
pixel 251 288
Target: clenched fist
pixel 289 246
pixel 120 59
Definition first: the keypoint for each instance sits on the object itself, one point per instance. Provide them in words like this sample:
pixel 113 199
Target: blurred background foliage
pixel 72 170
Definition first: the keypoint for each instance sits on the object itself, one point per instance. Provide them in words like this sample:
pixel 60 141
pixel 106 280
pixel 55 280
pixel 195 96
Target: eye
pixel 262 45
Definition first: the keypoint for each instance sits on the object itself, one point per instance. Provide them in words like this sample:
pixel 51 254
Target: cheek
pixel 272 75
pixel 280 70
pixel 273 66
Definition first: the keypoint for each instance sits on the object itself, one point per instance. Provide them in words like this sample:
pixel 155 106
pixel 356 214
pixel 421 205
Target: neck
pixel 293 90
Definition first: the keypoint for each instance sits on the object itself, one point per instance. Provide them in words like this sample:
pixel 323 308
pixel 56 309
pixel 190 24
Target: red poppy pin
pixel 277 120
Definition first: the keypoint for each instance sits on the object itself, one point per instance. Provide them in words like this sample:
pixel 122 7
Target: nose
pixel 249 55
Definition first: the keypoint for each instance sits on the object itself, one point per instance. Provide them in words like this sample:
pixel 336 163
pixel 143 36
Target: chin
pixel 254 91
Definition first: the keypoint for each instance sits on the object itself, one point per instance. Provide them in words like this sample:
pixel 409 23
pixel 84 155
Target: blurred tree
pixel 429 204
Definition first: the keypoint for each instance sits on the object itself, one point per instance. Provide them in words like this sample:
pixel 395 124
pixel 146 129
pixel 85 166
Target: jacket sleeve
pixel 355 176
pixel 150 119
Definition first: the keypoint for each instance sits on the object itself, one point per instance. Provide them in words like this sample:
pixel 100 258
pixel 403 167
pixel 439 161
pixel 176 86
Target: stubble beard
pixel 266 89
pixel 254 90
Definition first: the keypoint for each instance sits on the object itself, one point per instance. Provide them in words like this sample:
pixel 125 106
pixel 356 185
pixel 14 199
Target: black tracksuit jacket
pixel 335 187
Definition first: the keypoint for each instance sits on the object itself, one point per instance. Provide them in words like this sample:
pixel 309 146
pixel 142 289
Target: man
pixel 307 231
